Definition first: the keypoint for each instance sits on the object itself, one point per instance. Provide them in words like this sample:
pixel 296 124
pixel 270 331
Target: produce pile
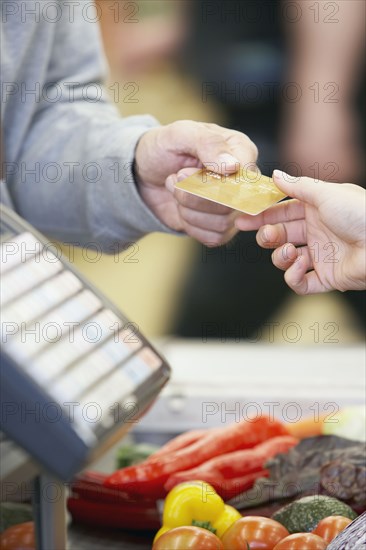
pixel 195 517
pixel 229 458
pixel 295 488
pixel 311 489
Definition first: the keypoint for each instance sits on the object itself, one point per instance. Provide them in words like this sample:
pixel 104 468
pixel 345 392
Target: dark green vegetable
pixel 303 515
pixel 345 478
pixel 134 454
pixel 328 465
pixel 12 513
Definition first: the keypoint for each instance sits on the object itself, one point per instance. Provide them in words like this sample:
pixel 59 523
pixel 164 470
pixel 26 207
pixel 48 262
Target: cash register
pixel 75 374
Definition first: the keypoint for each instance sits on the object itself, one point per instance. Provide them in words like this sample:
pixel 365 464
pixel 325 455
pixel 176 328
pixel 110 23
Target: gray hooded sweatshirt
pixel 68 154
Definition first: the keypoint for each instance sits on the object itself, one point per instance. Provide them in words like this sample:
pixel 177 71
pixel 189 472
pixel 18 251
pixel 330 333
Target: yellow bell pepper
pixel 197 503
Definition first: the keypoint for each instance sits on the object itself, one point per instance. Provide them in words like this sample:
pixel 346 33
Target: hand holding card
pixel 168 154
pixel 246 191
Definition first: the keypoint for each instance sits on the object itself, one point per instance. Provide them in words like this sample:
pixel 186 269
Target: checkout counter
pixel 212 384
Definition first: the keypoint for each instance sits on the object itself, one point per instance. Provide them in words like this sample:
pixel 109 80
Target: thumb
pixel 214 152
pixel 305 189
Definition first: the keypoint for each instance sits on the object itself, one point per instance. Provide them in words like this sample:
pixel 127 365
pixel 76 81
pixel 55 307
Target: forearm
pixel 326 45
pixel 74 179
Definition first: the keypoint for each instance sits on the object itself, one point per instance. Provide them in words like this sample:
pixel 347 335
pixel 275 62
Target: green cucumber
pixel 303 515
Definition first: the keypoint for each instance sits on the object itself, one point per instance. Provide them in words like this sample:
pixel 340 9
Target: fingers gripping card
pixel 245 190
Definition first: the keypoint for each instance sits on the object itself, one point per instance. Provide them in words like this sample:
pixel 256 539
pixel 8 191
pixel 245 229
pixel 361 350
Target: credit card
pixel 247 191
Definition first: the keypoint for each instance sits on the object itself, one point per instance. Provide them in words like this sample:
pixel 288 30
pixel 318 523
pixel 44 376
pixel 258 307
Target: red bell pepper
pixel 231 488
pixel 90 485
pixel 148 478
pixel 179 442
pixel 124 515
pixel 232 471
pixel 94 504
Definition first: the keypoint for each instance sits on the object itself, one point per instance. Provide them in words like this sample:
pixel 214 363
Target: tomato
pixel 18 537
pixel 301 541
pixel 328 528
pixel 187 538
pixel 259 532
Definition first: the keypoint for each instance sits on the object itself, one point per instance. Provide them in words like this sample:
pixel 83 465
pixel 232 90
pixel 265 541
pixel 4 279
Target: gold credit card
pixel 245 190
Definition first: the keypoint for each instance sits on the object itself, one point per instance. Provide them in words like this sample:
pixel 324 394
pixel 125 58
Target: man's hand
pixel 319 237
pixel 167 154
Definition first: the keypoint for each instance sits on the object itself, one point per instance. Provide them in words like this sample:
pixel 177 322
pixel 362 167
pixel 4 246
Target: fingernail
pixel 228 161
pixel 283 176
pixel 182 176
pixel 293 252
pixel 264 234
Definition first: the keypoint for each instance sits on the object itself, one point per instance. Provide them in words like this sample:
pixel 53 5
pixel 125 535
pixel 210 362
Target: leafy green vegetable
pixel 328 464
pixel 129 455
pixel 12 513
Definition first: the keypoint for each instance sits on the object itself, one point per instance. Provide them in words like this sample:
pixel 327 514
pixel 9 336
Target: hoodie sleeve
pixel 77 156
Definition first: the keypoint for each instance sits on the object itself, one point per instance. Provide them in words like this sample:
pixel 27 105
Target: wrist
pixel 137 168
pixel 141 187
pixel 145 167
pixel 136 176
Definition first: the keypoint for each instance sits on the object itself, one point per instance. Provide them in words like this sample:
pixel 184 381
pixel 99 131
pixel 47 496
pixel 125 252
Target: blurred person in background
pixel 290 73
pixel 139 35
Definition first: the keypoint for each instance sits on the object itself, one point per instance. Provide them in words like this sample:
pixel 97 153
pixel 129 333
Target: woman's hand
pixel 318 237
